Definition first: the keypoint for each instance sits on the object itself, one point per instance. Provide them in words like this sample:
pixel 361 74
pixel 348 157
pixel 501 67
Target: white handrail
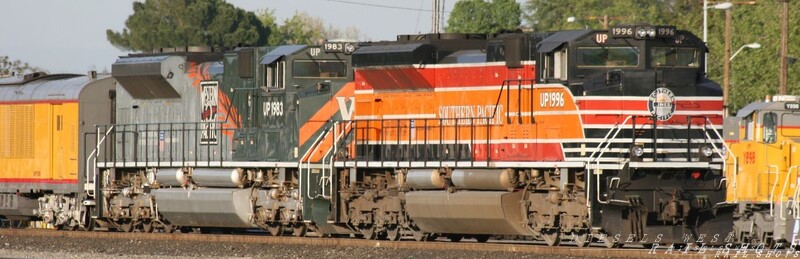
pixel 589 161
pixel 795 198
pixel 721 155
pixel 94 154
pixel 323 176
pixel 315 146
pixel 783 190
pixel 602 150
pixel 772 190
pixel 337 136
pixel 618 127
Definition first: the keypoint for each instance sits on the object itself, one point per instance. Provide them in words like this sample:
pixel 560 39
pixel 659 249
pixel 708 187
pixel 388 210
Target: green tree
pixel 479 16
pixel 9 66
pixel 269 21
pixel 754 72
pixel 545 15
pixel 168 23
pixel 302 28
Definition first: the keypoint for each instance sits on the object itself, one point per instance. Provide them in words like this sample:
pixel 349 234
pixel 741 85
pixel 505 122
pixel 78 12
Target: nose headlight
pixel 641 32
pixel 637 151
pixel 651 32
pixel 706 151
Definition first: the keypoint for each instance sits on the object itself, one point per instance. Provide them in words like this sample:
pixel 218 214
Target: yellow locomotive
pixel 762 170
pixel 45 123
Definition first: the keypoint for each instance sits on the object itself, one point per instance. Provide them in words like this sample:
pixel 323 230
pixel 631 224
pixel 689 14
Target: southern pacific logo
pixel 661 104
pixel 471 114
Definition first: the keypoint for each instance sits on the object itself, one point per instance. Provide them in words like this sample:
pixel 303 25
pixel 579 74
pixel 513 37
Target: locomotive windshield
pixel 791 121
pixel 319 69
pixel 608 57
pixel 674 57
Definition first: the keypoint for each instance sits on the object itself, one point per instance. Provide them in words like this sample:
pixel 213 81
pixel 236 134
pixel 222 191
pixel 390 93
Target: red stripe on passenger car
pixel 35 180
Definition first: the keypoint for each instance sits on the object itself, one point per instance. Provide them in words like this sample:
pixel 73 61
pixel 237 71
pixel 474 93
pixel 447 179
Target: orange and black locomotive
pixel 582 136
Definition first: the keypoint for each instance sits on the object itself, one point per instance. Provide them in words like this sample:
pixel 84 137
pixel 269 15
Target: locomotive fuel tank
pixel 467 212
pixel 207 207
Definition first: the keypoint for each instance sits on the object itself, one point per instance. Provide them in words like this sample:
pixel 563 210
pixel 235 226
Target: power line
pixel 384 6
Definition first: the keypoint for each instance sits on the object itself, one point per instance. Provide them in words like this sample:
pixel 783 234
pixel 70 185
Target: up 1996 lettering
pixel 551 100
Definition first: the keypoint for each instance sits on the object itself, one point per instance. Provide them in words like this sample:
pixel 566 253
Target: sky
pixel 70 36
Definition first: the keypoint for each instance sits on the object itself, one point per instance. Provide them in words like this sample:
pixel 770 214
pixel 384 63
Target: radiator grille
pixel 16 131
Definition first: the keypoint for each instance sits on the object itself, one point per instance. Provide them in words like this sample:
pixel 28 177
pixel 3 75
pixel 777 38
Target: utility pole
pixel 726 81
pixel 437 15
pixel 605 19
pixel 784 73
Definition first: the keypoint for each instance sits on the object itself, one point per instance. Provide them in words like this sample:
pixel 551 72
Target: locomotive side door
pixel 273 122
pixel 59 162
pixel 273 110
pixel 768 152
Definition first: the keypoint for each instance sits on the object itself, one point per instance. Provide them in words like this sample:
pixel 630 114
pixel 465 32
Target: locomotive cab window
pixel 790 123
pixel 275 74
pixel 608 57
pixel 674 57
pixel 555 65
pixel 749 127
pixel 319 69
pixel 769 121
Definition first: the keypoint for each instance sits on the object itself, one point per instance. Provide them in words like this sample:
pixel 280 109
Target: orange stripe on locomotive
pixel 521 122
pixel 321 117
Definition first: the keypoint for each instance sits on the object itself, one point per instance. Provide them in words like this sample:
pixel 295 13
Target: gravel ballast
pixel 65 247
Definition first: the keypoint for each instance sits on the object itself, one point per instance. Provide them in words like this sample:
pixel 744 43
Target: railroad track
pixel 565 251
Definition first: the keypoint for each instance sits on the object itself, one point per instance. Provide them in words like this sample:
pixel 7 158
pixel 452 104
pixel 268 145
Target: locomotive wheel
pixel 90 225
pixel 18 223
pixel 582 239
pixel 393 233
pixel 552 237
pixel 299 230
pixel 482 238
pixel 168 228
pixel 147 226
pixel 126 225
pixel 381 235
pixel 368 231
pixel 455 238
pixel 419 235
pixel 275 229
